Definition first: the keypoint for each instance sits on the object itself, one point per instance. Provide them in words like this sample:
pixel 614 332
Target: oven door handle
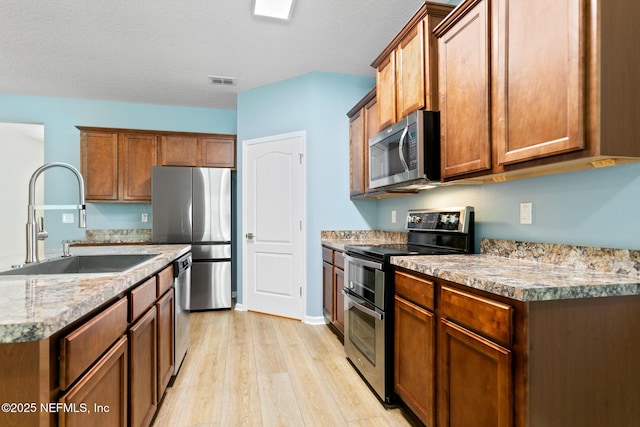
pixel 363 262
pixel 362 308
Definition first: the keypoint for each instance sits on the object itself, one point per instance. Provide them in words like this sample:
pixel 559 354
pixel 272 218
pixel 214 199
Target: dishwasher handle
pixel 182 265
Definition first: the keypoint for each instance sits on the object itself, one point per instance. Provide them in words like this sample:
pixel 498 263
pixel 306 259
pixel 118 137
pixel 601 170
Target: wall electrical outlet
pixel 67 218
pixel 526 213
pixel 393 217
pixel 144 217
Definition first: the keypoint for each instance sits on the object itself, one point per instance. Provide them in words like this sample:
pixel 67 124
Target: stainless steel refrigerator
pixel 193 205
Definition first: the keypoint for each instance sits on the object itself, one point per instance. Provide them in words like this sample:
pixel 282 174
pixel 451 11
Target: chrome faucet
pixel 35 232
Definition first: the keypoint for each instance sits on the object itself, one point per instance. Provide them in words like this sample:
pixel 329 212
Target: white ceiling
pixel 161 51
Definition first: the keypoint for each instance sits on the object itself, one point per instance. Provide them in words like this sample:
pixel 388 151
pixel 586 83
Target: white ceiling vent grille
pixel 220 80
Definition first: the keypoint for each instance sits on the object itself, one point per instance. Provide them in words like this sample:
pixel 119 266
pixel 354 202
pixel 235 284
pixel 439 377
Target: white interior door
pixel 273 214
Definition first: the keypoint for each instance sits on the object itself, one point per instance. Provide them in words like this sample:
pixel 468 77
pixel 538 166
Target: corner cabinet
pixel 533 88
pixel 116 163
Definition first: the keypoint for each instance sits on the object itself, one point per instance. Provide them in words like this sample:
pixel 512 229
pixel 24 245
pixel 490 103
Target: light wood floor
pixel 250 369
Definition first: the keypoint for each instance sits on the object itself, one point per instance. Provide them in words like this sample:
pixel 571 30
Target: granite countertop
pixel 338 239
pixel 536 271
pixel 113 237
pixel 34 307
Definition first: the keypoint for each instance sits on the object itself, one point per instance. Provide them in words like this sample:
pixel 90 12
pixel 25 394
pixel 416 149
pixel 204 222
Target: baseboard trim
pixel 314 320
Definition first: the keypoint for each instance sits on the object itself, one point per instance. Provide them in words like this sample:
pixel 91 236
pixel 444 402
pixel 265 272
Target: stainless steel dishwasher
pixel 182 285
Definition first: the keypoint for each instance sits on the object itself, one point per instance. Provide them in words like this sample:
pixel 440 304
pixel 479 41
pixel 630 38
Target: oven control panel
pixel 452 219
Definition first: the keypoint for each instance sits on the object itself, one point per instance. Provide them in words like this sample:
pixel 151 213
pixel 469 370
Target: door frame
pixel 265 140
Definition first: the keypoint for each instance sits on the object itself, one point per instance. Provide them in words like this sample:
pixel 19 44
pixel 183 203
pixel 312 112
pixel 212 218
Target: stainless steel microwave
pixel 406 155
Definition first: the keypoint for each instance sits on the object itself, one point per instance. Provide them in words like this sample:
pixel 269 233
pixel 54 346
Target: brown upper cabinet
pixel 406 71
pixel 116 166
pixel 532 88
pixel 116 163
pixel 363 124
pixel 197 150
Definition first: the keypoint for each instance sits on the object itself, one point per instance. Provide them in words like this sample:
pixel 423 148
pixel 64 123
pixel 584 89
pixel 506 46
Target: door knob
pixel 249 236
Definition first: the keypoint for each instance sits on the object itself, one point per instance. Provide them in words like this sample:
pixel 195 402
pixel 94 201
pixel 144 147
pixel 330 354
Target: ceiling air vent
pixel 220 80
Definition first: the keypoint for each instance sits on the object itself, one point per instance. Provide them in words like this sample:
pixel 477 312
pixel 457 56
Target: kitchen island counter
pixel 34 307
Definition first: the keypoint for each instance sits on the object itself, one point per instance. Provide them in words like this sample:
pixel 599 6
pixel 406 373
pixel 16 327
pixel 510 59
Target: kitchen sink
pixel 82 264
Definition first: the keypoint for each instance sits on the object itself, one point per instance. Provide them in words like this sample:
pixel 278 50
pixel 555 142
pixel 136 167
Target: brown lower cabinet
pixel 109 369
pixel 332 285
pixel 414 358
pixel 466 357
pixel 100 399
pixel 143 381
pixel 475 386
pixel 165 307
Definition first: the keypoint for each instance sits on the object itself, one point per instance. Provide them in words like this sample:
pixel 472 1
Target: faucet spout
pixel 33 234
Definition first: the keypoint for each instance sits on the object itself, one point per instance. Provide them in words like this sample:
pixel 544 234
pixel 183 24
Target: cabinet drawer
pixel 327 255
pixel 82 347
pixel 338 259
pixel 142 298
pixel 415 289
pixel 490 318
pixel 165 281
pixel 104 385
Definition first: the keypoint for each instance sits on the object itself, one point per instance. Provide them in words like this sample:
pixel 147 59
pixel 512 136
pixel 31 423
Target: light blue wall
pixel 316 103
pixel 596 207
pixel 62 143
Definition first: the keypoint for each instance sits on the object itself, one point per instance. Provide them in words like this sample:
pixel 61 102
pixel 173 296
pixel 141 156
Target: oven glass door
pixel 365 279
pixel 364 340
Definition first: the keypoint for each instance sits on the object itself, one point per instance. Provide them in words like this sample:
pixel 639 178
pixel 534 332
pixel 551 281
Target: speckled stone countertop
pixel 338 239
pixel 34 307
pixel 536 271
pixel 113 237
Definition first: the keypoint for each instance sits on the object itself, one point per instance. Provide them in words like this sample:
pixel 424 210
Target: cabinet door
pixel 541 73
pixel 474 383
pixel 137 155
pixel 166 315
pixel 410 72
pixel 464 94
pixel 372 127
pixel 99 165
pixel 327 290
pixel 178 150
pixel 414 359
pixel 103 389
pixel 143 372
pixel 338 307
pixel 218 152
pixel 356 144
pixel 386 91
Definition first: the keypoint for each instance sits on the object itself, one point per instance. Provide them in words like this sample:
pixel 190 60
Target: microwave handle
pixel 401 150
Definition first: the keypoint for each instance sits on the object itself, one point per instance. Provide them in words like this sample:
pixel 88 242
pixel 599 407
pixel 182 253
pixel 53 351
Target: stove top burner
pixel 386 250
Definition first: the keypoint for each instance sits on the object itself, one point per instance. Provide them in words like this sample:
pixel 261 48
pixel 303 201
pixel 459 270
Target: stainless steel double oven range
pixel 369 290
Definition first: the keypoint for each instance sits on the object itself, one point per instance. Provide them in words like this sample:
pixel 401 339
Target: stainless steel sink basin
pixel 82 264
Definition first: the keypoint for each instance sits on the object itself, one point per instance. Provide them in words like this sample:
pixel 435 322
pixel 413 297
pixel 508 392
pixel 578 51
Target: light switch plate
pixel 144 217
pixel 67 218
pixel 393 217
pixel 526 213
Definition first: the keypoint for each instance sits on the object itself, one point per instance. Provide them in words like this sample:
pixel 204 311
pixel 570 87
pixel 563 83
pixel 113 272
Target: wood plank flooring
pixel 251 369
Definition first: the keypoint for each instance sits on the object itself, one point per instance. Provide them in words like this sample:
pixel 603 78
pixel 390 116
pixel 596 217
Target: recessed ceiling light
pixel 221 80
pixel 279 9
